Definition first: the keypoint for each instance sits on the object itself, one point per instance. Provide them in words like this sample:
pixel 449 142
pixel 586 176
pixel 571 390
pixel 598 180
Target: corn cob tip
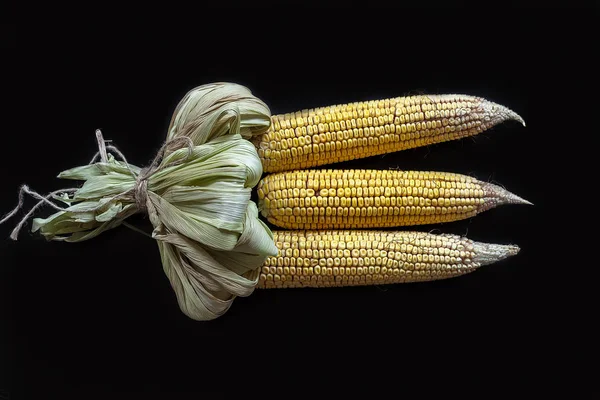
pixel 489 253
pixel 495 114
pixel 496 195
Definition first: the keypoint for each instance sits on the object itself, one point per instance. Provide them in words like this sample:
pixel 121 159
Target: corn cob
pixel 345 132
pixel 352 258
pixel 345 199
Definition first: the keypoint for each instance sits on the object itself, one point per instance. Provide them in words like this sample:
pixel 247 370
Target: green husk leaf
pixel 210 238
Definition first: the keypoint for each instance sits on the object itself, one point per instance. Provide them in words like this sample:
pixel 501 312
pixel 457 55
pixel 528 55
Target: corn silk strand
pixel 196 193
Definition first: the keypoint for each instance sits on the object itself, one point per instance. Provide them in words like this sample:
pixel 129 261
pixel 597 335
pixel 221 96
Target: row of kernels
pixel 357 268
pixel 335 237
pixel 291 222
pixel 328 269
pixel 374 197
pixel 272 281
pixel 339 111
pixel 333 121
pixel 279 201
pixel 391 186
pixel 373 175
pixel 364 219
pixel 354 270
pixel 362 273
pixel 370 242
pixel 399 131
pixel 309 213
pixel 430 254
pixel 349 243
pixel 292 126
pixel 296 159
pixel 309 134
pixel 435 110
pixel 332 262
pixel 277 189
pixel 275 200
pixel 406 261
pixel 373 136
pixel 357 239
pixel 457 190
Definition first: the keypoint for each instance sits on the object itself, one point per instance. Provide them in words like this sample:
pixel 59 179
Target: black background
pixel 98 319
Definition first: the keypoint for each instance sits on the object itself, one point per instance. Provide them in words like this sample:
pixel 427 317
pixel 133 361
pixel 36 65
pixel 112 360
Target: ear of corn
pixel 344 199
pixel 351 258
pixel 345 132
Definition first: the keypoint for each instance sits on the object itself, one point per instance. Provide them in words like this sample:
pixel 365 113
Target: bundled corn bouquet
pixel 213 245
